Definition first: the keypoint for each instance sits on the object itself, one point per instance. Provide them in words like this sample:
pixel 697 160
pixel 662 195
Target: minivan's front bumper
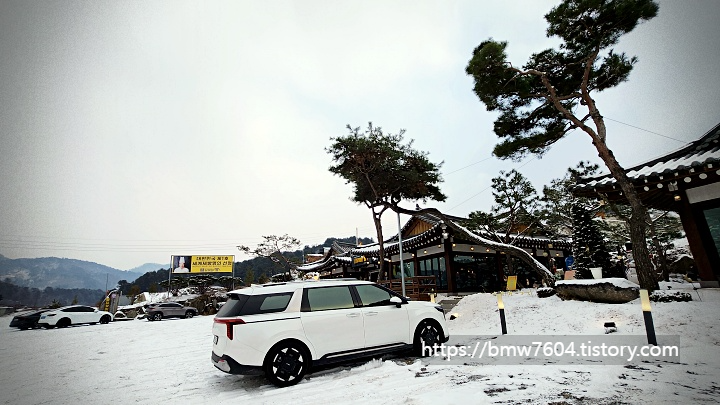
pixel 229 365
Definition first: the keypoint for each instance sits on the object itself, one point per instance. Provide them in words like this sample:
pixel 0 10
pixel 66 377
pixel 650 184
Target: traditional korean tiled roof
pixel 327 263
pixel 692 163
pixel 342 247
pixel 392 246
pixel 430 237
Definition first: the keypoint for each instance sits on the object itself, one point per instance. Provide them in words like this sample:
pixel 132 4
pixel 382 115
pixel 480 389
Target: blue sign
pixel 569 261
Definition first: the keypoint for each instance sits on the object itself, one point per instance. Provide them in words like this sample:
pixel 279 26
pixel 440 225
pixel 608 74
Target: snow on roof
pixel 433 236
pixel 705 150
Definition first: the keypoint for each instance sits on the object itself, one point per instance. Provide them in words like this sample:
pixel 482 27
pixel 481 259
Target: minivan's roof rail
pixel 304 281
pixel 336 279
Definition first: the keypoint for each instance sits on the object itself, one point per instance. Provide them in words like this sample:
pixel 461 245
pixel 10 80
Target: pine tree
pixel 249 277
pixel 554 93
pixel 588 244
pixel 384 171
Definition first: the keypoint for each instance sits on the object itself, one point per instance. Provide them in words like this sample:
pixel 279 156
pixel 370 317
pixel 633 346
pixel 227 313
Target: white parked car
pixel 283 329
pixel 73 315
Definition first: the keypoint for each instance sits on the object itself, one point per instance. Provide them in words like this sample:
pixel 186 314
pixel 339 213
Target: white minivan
pixel 283 329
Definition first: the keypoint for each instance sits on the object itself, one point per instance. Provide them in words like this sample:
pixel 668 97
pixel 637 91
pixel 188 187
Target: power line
pixel 486 188
pixel 607 118
pixel 34 245
pixel 45 243
pixel 471 164
pixel 481 191
pixel 646 130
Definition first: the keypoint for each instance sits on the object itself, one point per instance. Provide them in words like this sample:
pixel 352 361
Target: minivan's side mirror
pixel 397 301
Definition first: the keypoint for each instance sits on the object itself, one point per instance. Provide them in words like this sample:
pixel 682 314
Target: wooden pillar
pixel 415 262
pixel 501 274
pixel 449 268
pixel 693 233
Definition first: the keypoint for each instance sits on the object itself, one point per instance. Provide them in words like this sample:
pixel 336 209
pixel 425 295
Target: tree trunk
pixel 508 262
pixel 378 228
pixel 661 259
pixel 661 253
pixel 641 255
pixel 638 231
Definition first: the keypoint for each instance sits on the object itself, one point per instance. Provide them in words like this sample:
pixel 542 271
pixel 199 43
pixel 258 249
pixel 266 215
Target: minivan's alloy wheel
pixel 286 364
pixel 189 314
pixel 427 335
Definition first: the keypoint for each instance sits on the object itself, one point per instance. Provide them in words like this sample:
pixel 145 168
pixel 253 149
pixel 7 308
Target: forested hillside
pixel 18 296
pixel 261 268
pixel 20 274
pixel 58 272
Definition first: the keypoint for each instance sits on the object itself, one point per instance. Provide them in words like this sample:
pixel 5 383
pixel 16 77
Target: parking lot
pixel 168 362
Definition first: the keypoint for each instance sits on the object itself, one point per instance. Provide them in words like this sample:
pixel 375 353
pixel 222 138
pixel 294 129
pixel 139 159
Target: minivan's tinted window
pixel 371 295
pixel 241 304
pixel 233 306
pixel 275 303
pixel 322 299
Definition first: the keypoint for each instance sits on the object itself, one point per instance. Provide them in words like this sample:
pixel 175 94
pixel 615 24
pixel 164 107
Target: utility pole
pixel 402 269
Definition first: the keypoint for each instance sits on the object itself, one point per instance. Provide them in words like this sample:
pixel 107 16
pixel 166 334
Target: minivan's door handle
pixel 371 313
pixel 353 315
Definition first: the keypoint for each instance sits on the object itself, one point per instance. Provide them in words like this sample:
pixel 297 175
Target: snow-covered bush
pixel 545 292
pixel 670 296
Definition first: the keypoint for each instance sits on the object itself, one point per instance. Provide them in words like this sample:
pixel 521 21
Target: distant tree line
pixel 255 270
pixel 17 296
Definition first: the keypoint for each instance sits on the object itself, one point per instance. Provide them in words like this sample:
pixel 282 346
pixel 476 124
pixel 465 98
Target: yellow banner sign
pixel 512 283
pixel 358 261
pixel 203 264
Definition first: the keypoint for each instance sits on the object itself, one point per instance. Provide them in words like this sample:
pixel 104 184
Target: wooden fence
pixel 416 288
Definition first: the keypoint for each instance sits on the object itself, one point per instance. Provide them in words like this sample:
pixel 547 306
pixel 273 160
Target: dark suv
pixel 158 311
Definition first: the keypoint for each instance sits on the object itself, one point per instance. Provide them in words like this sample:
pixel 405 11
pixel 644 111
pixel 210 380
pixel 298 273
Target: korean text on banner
pixel 212 264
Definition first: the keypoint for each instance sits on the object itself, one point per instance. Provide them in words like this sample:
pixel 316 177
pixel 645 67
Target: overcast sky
pixel 132 131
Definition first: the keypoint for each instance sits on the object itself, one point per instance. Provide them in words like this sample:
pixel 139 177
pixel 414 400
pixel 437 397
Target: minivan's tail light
pixel 229 323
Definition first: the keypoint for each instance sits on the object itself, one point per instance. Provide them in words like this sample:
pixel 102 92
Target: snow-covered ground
pixel 168 362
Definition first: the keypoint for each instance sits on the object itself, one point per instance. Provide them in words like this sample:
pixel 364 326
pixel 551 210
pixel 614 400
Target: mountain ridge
pixel 58 272
pixel 69 273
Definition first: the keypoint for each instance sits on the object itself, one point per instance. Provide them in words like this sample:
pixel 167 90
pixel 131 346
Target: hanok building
pixel 686 181
pixel 443 252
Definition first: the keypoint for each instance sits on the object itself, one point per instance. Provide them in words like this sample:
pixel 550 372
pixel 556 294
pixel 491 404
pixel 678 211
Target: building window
pixel 434 267
pixel 712 216
pixel 476 273
pixel 409 269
